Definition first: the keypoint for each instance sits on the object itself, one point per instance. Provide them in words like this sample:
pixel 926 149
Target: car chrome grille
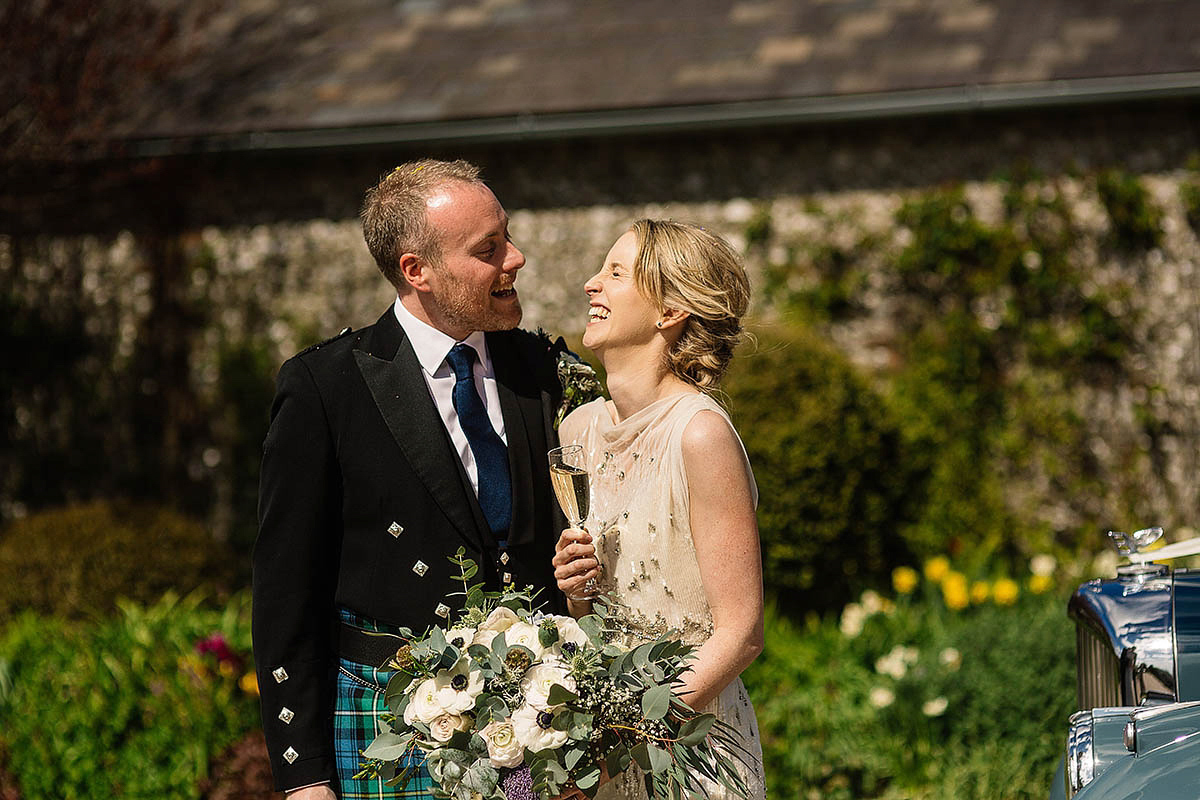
pixel 1098 676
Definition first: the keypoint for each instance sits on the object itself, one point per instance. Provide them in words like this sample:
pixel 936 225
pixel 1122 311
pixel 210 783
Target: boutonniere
pixel 579 384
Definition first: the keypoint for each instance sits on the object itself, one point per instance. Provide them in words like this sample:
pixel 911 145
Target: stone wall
pixel 282 259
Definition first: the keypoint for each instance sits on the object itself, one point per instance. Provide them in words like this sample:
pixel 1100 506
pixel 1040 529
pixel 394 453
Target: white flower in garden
pixel 897 661
pixel 424 705
pixel 881 697
pixel 504 749
pixel 499 621
pixel 950 658
pixel 1042 564
pixel 534 730
pixel 872 602
pixel 526 635
pixel 935 707
pixel 540 679
pixel 445 726
pixel 853 617
pixel 458 687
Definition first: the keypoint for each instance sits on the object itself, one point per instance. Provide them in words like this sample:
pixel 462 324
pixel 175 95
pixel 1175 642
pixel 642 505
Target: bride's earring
pixel 658 324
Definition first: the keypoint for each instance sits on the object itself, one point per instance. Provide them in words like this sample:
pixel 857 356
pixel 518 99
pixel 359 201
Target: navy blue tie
pixel 491 456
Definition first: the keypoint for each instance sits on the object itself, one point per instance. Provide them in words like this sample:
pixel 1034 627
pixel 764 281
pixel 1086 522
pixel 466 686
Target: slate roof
pixel 291 67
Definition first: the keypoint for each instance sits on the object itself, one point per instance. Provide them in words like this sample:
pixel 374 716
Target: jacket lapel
pixel 521 405
pixel 392 373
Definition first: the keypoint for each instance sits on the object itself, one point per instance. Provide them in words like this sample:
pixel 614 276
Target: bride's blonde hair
pixel 684 267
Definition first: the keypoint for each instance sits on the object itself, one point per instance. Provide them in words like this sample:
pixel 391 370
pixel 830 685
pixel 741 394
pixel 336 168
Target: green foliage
pixel 1136 222
pixel 996 323
pixel 124 707
pixel 836 487
pixel 77 561
pixel 917 701
pixel 1189 193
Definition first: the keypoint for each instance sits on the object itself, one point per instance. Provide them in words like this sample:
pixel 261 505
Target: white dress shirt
pixel 432 346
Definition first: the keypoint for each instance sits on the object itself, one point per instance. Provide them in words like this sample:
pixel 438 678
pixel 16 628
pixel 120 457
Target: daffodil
pixel 904 579
pixel 1005 592
pixel 936 568
pixel 980 591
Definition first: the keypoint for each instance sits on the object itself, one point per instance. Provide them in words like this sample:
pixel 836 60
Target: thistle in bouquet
pixel 508 703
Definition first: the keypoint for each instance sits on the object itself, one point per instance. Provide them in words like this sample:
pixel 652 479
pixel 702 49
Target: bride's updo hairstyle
pixel 687 268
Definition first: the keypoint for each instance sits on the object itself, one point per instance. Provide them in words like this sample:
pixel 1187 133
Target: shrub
pixel 127 707
pixel 835 488
pixel 1136 223
pixel 77 561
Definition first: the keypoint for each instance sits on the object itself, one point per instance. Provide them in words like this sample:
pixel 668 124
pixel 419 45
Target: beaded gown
pixel 640 523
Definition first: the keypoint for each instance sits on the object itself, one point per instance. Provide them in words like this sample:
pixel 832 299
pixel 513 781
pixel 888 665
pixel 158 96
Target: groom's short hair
pixel 394 217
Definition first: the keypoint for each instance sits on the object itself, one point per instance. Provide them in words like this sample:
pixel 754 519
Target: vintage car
pixel 1137 731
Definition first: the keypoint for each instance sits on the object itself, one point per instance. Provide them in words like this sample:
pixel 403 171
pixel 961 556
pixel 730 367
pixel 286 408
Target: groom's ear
pixel 415 271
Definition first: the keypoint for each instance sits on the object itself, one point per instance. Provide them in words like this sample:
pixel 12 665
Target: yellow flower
pixel 1041 583
pixel 954 591
pixel 1005 592
pixel 904 579
pixel 936 568
pixel 249 683
pixel 980 591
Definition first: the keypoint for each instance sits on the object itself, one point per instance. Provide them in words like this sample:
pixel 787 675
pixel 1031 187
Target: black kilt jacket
pixel 363 497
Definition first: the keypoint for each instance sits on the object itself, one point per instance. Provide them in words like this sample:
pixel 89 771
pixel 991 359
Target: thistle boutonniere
pixel 579 384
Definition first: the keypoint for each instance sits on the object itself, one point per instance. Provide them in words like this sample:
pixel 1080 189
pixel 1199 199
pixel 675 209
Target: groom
pixel 389 448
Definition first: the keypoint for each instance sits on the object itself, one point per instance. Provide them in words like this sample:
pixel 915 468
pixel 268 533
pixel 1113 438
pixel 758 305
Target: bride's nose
pixel 592 286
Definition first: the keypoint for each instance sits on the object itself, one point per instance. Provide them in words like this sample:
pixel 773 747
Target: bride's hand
pixel 575 561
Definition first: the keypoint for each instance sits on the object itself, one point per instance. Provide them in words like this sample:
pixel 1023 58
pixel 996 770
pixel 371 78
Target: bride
pixel 673 497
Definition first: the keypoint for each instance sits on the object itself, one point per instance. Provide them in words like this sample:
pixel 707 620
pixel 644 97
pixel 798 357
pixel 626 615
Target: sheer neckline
pixel 616 432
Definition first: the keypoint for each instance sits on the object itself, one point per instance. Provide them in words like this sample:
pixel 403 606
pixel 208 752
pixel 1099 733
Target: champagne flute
pixel 569 477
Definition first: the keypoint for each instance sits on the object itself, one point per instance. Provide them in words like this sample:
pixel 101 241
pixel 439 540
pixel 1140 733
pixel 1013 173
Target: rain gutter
pixel 691 118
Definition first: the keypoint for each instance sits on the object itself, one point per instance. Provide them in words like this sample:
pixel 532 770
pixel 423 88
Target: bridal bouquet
pixel 508 703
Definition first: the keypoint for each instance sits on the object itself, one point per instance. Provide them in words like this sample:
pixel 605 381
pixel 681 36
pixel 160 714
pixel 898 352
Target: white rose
pixel 424 705
pixel 538 681
pixel 446 725
pixel 526 635
pixel 458 687
pixel 504 749
pixel 533 730
pixel 499 621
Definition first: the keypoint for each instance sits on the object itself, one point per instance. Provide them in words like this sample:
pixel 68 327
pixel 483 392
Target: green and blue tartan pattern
pixel 360 689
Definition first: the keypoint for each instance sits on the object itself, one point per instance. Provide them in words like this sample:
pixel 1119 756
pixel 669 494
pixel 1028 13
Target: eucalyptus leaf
pixel 560 694
pixel 656 701
pixel 641 754
pixel 660 760
pixel 388 746
pixel 588 779
pixel 695 729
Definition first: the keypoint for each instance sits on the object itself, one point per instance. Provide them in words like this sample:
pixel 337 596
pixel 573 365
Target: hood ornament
pixel 1131 544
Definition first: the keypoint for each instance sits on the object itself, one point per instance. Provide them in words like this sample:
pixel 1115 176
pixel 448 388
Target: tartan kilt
pixel 360 690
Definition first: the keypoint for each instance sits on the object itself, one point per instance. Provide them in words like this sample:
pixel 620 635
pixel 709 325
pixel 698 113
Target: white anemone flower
pixel 534 730
pixel 458 687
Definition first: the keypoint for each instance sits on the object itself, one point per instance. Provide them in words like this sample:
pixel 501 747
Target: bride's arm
pixel 725 532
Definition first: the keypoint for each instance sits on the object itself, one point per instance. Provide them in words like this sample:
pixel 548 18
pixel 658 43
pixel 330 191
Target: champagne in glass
pixel 569 477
